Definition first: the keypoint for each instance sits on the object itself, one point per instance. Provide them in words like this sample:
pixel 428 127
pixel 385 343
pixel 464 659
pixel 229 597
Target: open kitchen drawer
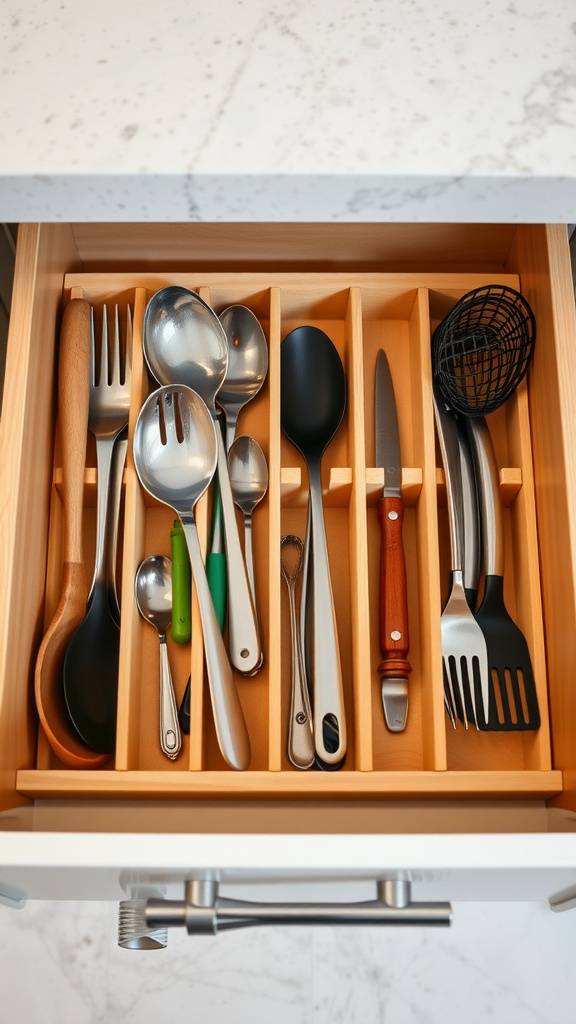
pixel 510 798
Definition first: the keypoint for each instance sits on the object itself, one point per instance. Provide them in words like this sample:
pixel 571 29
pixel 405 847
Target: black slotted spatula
pixel 513 703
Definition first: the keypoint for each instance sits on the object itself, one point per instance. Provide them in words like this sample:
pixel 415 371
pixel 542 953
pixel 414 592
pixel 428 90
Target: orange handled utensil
pixel 394 668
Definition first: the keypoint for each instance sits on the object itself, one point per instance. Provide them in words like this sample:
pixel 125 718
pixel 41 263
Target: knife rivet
pixel 396 634
pixel 392 515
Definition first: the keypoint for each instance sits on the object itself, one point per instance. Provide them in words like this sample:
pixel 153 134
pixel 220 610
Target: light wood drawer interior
pixel 361 311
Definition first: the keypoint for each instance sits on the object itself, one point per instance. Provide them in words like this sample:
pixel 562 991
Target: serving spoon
pixel 249 481
pixel 247 364
pixel 184 343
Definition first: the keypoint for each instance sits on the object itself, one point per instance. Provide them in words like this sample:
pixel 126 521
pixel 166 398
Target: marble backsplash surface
pixel 503 963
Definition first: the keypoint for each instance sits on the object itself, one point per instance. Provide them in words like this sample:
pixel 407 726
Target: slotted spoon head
pixel 175 450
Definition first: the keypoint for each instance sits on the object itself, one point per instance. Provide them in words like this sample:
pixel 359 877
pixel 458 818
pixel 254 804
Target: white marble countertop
pixel 282 110
pixel 503 963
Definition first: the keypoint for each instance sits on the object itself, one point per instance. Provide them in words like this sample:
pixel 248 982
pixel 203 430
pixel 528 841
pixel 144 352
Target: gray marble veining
pixel 292 110
pixel 507 963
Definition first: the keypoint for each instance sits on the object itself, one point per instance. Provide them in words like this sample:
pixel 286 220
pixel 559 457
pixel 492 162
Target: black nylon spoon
pixel 313 401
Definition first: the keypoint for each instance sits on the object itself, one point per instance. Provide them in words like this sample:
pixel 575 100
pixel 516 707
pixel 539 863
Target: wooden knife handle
pixel 73 402
pixel 394 640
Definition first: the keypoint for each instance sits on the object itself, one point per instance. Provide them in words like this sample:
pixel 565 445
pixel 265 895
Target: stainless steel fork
pixel 464 652
pixel 110 382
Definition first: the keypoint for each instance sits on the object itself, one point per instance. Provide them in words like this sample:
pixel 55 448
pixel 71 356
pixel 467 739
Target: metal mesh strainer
pixel 482 349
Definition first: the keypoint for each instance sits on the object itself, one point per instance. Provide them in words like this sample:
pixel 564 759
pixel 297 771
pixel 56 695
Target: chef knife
pixel 394 668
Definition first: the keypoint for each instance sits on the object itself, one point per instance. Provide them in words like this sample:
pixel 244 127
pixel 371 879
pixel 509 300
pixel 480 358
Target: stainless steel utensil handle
pixel 470 513
pixel 244 644
pixel 170 735
pixel 231 728
pixel 231 419
pixel 488 495
pixel 249 558
pixel 110 461
pixel 116 482
pixel 306 595
pixel 300 737
pixel 104 457
pixel 327 689
pixel 450 449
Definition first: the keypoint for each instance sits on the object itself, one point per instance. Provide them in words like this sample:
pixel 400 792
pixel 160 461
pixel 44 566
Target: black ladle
pixel 313 401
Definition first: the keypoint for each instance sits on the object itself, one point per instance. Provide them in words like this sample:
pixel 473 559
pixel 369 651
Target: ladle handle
pixel 170 735
pixel 300 737
pixel 231 730
pixel 487 475
pixel 327 689
pixel 447 428
pixel 471 564
pixel 243 633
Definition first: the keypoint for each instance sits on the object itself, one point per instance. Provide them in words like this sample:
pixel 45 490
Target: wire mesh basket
pixel 482 349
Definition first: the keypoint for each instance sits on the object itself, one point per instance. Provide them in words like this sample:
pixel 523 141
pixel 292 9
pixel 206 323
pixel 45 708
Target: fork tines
pixel 115 362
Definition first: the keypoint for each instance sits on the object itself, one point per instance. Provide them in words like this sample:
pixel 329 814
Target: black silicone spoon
pixel 313 401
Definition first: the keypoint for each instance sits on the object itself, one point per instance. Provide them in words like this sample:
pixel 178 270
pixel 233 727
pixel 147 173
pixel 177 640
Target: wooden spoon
pixel 73 401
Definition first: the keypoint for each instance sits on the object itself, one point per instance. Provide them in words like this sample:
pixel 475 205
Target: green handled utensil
pixel 181 628
pixel 216 570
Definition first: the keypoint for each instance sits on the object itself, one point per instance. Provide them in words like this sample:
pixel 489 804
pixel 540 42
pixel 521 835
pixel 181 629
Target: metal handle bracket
pixel 204 912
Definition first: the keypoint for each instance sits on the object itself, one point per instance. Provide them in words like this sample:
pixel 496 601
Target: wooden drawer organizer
pixel 361 312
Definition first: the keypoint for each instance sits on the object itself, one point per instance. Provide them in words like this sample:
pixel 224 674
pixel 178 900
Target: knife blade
pixel 394 668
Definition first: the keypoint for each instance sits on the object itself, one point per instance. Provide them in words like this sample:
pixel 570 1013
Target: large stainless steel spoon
pixel 175 455
pixel 247 364
pixel 153 589
pixel 313 400
pixel 249 480
pixel 184 343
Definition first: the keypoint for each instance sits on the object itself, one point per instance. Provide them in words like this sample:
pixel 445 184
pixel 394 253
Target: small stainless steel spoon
pixel 184 343
pixel 300 737
pixel 249 481
pixel 153 588
pixel 175 455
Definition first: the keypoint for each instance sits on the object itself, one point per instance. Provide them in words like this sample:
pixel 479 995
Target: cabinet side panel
pixel 43 254
pixel 541 256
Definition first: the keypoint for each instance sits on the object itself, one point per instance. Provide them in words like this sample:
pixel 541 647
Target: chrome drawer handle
pixel 204 912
